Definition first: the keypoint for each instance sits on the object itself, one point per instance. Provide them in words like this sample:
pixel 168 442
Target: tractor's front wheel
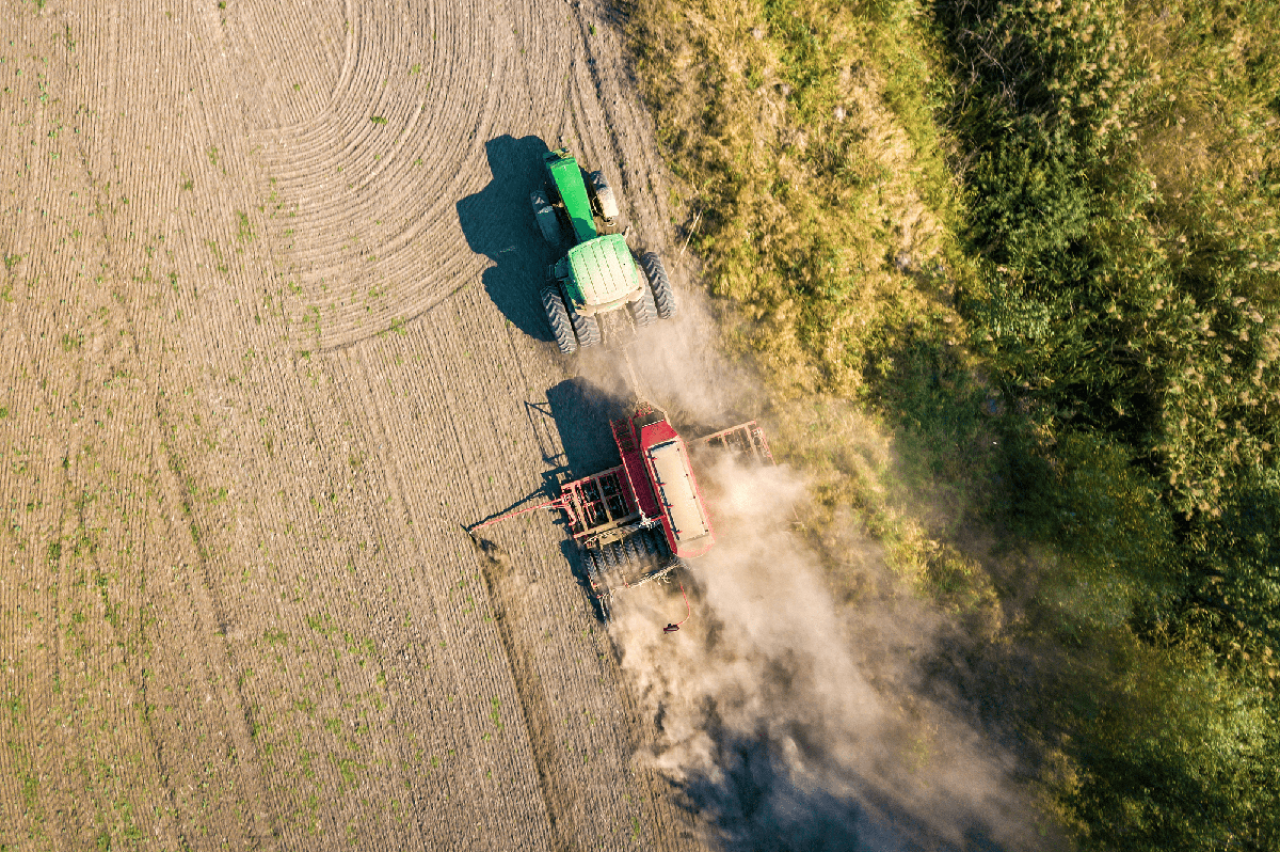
pixel 587 329
pixel 558 319
pixel 605 200
pixel 546 216
pixel 663 296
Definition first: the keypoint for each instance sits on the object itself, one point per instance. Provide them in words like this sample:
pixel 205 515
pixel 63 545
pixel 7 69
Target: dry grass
pixel 816 186
pixel 819 193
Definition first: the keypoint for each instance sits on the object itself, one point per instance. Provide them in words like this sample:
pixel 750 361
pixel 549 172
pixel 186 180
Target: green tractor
pixel 599 274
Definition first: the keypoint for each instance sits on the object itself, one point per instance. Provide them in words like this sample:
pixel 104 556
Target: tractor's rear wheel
pixel 663 296
pixel 644 310
pixel 605 200
pixel 548 223
pixel 558 319
pixel 587 329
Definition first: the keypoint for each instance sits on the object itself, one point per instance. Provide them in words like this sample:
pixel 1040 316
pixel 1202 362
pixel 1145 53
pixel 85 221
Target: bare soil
pixel 269 337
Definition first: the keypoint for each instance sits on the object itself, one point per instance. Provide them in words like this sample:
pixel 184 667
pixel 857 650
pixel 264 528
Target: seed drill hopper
pixel 634 523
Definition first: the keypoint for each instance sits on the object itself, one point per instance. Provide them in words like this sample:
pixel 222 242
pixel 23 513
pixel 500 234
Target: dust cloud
pixel 782 726
pixel 786 720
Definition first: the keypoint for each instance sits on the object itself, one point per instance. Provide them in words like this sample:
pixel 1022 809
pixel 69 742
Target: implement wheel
pixel 663 296
pixel 589 560
pixel 587 329
pixel 619 555
pixel 646 538
pixel 608 557
pixel 558 319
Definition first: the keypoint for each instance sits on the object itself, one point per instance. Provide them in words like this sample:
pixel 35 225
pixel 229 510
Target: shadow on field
pixel 498 223
pixel 757 801
pixel 582 412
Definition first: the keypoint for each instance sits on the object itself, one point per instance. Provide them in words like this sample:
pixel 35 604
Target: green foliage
pixel 1076 354
pixel 1102 301
pixel 1117 535
pixel 1126 300
pixel 1235 599
pixel 1033 210
pixel 1178 756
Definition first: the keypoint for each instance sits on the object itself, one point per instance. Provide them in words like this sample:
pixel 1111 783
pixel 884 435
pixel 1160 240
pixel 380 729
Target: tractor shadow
pixel 582 411
pixel 498 223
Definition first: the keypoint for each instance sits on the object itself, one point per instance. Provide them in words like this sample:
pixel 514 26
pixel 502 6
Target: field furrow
pixel 269 340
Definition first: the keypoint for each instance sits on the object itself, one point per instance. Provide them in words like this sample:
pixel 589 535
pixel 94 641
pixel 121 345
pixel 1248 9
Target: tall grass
pixel 814 173
pixel 1018 262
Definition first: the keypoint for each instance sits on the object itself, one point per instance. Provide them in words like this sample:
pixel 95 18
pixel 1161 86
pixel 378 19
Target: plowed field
pixel 269 335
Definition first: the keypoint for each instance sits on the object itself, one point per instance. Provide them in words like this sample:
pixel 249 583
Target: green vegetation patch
pixel 1018 262
pixel 817 190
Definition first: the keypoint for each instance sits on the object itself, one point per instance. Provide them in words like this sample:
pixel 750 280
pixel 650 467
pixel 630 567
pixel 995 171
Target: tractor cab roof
pixel 601 271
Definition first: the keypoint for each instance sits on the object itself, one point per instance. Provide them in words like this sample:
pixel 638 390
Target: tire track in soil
pixel 556 787
pixel 71 392
pixel 534 712
pixel 205 618
pixel 183 101
pixel 52 605
pixel 353 368
pixel 453 329
pixel 78 515
pixel 21 243
pixel 185 598
pixel 192 604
